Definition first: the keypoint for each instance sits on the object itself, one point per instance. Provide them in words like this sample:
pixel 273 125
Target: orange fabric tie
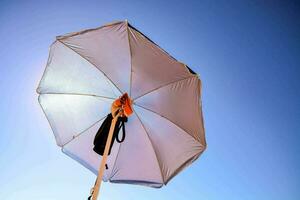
pixel 124 103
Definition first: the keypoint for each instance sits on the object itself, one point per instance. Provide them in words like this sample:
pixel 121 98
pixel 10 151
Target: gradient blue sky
pixel 247 55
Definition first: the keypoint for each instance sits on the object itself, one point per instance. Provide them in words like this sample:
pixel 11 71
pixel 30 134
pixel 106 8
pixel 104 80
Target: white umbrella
pixel 87 70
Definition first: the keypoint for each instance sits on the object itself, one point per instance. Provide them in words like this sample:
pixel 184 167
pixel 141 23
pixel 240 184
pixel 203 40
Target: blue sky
pixel 247 55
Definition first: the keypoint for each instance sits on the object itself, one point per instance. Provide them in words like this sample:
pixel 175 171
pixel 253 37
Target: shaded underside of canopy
pixel 87 70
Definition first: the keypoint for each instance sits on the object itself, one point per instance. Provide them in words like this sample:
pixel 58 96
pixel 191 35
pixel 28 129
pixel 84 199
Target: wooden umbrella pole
pixel 104 158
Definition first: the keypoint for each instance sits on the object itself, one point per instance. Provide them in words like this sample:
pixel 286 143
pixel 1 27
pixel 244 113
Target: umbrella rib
pixel 164 86
pixel 168 120
pixel 74 137
pixel 80 133
pixel 79 94
pixel 151 145
pixel 130 84
pixel 113 173
pixel 91 64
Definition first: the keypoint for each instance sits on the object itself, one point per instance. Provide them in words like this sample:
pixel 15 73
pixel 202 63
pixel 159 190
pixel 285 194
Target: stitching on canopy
pixel 113 173
pixel 164 86
pixel 91 64
pixel 113 170
pixel 130 84
pixel 56 135
pixel 169 121
pixel 80 133
pixel 79 94
pixel 151 145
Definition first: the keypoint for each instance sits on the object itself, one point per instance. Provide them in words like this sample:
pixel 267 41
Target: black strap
pixel 123 131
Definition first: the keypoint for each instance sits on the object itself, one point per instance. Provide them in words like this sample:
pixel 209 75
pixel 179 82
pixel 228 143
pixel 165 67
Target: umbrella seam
pixel 46 68
pixel 79 94
pixel 169 121
pixel 113 173
pixel 80 133
pixel 91 64
pixel 130 55
pixel 159 165
pixel 164 51
pixel 159 87
pixel 151 41
pixel 155 44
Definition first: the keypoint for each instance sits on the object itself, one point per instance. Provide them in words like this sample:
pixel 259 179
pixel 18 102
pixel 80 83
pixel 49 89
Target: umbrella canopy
pixel 86 71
